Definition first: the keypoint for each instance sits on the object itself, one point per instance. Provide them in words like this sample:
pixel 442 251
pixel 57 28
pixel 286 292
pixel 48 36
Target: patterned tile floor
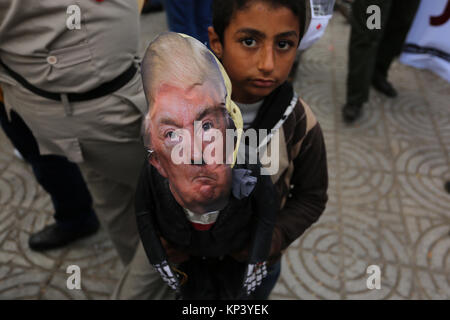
pixel 387 202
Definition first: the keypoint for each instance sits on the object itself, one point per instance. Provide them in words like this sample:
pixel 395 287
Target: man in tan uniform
pixel 70 72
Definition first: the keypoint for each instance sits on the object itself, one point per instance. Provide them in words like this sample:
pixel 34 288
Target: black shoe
pixel 53 236
pixel 351 112
pixel 381 84
pixel 447 186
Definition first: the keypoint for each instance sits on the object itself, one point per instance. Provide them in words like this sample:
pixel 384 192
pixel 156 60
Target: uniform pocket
pixel 119 118
pixel 71 148
pixel 133 94
pixel 68 147
pixel 69 56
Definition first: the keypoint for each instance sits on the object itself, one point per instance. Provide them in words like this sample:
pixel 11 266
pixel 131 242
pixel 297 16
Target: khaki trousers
pixel 103 137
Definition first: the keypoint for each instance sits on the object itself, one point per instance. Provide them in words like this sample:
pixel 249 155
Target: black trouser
pixel 371 52
pixel 59 177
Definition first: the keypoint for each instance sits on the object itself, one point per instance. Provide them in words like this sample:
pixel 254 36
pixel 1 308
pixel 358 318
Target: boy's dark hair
pixel 223 10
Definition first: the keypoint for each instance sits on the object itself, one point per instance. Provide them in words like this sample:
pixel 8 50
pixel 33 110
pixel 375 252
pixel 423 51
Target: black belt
pixel 102 90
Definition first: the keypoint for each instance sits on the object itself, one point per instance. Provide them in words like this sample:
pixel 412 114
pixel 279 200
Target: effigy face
pixel 188 128
pixel 187 122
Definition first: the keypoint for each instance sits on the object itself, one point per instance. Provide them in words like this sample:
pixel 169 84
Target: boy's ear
pixel 214 42
pixel 154 161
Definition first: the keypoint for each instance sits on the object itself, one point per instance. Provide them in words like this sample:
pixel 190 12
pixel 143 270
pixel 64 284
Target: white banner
pixel 321 13
pixel 428 43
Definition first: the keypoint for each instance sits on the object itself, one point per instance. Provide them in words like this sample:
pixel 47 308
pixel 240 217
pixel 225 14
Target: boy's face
pixel 258 50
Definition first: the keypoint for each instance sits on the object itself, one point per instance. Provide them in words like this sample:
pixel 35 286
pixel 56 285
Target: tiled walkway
pixel 387 202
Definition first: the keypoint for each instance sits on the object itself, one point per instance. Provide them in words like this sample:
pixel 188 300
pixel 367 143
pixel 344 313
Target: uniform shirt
pixel 36 43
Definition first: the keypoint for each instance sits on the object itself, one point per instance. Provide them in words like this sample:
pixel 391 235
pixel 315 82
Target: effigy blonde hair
pixel 181 61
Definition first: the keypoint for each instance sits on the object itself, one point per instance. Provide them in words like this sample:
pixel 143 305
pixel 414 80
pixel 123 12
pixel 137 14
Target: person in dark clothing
pixel 191 17
pixel 74 216
pixel 371 51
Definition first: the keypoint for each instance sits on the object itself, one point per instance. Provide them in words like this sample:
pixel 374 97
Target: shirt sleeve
pixel 308 195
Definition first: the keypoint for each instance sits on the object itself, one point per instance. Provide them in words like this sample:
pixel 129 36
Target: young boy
pixel 206 206
pixel 256 41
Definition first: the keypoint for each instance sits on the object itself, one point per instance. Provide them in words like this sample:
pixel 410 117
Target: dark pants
pixel 191 17
pixel 59 177
pixel 371 52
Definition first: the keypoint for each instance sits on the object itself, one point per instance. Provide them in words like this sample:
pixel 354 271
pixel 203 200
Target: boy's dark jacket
pixel 302 178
